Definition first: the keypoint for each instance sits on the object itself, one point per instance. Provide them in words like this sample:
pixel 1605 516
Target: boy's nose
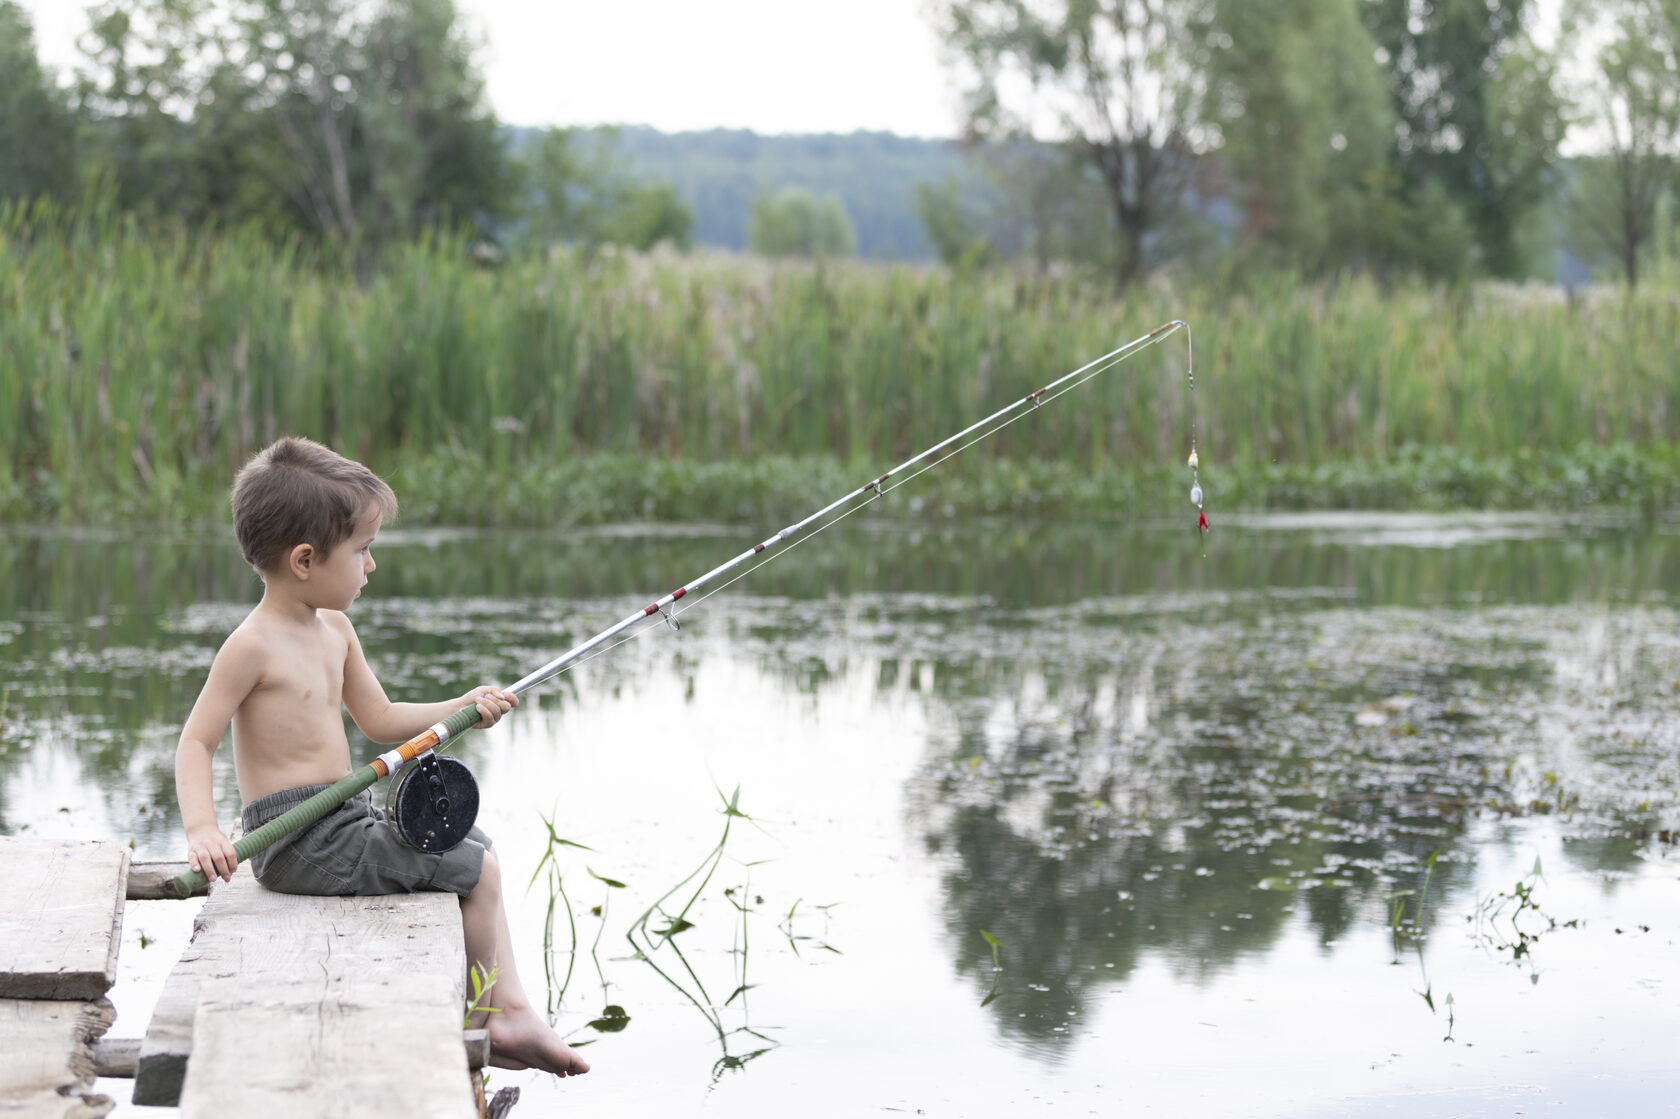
pixel 369 566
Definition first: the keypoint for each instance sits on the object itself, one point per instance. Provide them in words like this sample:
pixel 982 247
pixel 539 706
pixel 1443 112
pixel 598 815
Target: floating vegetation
pixel 650 942
pixel 558 902
pixel 654 936
pixel 794 939
pixel 1409 925
pixel 1499 920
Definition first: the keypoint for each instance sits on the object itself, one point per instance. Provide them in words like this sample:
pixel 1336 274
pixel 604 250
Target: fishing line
pixel 924 462
pixel 431 794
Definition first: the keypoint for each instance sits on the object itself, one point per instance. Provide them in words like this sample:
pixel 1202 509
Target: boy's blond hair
pixel 295 491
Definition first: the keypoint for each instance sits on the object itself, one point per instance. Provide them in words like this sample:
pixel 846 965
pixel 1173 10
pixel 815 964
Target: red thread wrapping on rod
pixel 678 593
pixel 653 608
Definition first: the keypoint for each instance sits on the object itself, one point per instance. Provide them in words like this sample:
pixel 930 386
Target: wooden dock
pixel 321 1006
pixel 59 931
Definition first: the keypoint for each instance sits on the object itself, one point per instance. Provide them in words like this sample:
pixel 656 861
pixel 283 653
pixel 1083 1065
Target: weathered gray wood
pixel 119 1057
pixel 149 881
pixel 502 1103
pixel 478 1048
pixel 46 1058
pixel 343 1043
pixel 61 921
pixel 270 941
pixel 116 1056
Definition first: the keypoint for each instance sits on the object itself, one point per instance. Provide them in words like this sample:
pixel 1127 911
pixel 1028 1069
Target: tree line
pixel 1393 137
pixel 1389 136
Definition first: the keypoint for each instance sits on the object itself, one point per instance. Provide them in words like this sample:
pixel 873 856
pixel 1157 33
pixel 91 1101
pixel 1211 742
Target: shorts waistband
pixel 264 809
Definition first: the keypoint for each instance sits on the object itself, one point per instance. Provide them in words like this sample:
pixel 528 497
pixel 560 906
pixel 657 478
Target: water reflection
pixel 1102 793
pixel 1134 754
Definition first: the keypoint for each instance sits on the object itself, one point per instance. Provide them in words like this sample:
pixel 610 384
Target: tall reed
pixel 140 366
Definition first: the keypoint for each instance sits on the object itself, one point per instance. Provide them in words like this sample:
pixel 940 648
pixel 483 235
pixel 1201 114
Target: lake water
pixel 1355 815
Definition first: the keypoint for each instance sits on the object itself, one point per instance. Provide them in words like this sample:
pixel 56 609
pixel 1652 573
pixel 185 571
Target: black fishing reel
pixel 432 802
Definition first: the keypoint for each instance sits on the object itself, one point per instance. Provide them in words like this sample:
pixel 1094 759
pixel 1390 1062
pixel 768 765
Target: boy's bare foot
pixel 520 1039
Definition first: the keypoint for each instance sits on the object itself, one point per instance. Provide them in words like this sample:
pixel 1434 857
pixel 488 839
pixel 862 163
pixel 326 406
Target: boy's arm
pixel 234 672
pixel 386 722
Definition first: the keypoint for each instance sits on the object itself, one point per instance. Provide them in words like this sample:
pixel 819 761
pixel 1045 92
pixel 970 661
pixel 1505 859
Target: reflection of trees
pixel 1186 789
pixel 1085 917
pixel 1218 849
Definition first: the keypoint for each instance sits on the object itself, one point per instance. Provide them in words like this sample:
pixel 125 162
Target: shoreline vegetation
pixel 140 365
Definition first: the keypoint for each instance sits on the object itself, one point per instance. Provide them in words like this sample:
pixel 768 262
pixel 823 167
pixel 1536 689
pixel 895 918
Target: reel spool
pixel 432 802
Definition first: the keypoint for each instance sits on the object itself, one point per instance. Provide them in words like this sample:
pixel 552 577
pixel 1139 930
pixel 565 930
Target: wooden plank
pixel 119 1057
pixel 477 1044
pixel 116 1056
pixel 343 1043
pixel 46 1058
pixel 61 923
pixel 149 881
pixel 256 936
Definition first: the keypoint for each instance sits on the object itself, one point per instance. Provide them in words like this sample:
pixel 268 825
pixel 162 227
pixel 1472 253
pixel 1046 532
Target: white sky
pixel 680 65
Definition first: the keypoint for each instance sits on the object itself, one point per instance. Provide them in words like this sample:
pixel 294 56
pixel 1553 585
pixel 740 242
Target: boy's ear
pixel 300 559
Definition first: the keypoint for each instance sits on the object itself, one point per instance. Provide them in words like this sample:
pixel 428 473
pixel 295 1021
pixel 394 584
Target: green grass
pixel 139 367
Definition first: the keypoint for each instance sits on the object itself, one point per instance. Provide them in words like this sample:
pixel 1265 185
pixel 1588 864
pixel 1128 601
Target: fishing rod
pixel 435 801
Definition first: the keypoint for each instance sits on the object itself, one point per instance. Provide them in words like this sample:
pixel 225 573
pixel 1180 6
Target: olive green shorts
pixel 352 850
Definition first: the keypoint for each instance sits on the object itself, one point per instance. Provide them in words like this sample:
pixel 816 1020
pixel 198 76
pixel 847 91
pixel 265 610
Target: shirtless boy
pixel 306 519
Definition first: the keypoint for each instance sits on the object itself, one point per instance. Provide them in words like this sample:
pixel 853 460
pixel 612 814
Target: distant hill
pixel 718 174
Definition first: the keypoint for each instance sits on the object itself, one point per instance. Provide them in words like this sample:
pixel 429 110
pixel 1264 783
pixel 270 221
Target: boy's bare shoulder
pixel 245 654
pixel 337 621
pixel 253 635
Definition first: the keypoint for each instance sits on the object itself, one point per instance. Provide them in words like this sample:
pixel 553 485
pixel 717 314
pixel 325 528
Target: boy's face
pixel 344 571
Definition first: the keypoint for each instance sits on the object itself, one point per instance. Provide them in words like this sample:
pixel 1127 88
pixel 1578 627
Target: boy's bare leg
pixel 519 1036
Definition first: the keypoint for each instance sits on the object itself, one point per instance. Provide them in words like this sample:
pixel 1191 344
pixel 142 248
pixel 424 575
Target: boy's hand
pixel 212 852
pixel 492 704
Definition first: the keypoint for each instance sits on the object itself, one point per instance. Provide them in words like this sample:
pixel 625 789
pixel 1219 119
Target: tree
pixel 376 124
pixel 1302 111
pixel 1633 99
pixel 149 70
pixel 1114 76
pixel 795 222
pixel 37 156
pixel 353 121
pixel 1425 233
pixel 649 214
pixel 950 223
pixel 1478 111
pixel 574 189
pixel 1038 201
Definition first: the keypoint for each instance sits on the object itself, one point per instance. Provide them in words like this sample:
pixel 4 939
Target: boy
pixel 306 518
